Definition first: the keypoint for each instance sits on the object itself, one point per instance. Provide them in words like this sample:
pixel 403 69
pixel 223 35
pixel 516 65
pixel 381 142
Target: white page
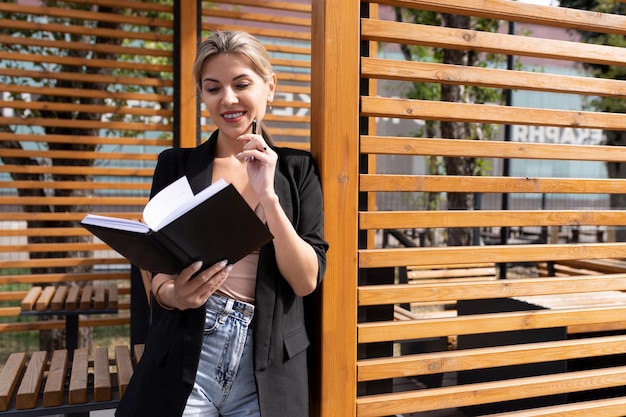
pixel 166 201
pixel 115 223
pixel 174 200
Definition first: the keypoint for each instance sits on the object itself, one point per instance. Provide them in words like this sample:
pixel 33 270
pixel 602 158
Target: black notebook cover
pixel 221 227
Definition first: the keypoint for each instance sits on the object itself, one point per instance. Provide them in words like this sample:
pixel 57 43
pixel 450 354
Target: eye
pixel 212 90
pixel 243 85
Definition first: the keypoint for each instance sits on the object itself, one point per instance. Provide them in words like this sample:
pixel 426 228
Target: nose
pixel 230 96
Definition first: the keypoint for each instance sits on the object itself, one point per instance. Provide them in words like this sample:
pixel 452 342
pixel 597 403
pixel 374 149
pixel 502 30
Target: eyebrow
pixel 216 81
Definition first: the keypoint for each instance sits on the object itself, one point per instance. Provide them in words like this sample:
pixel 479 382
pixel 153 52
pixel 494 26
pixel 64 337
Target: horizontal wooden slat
pixel 76 170
pixel 488 218
pixel 468 359
pixel 483 113
pixel 135 20
pixel 465 184
pixel 88 140
pixel 260 32
pixel 244 17
pixel 66 216
pixel 53 247
pixel 72 201
pixel 60 324
pixel 610 407
pixel 65 185
pixel 88 155
pixel 485 323
pixel 388 145
pixel 60 262
pixel 101 48
pixel 95 78
pixel 21 25
pixel 12 295
pixel 482 393
pixel 378 258
pixel 388 69
pixel 274 5
pixel 86 62
pixel 452 291
pixel 441 37
pixel 66 277
pixel 519 12
pixel 86 108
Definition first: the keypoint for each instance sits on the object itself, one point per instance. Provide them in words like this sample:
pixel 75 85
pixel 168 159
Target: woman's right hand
pixel 190 289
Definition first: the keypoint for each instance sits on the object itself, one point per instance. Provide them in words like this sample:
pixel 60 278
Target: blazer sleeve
pixel 310 224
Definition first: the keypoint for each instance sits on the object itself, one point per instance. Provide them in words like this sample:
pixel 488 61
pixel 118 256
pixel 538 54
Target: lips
pixel 233 116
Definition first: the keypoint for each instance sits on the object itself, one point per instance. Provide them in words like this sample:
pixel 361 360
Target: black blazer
pixel 164 377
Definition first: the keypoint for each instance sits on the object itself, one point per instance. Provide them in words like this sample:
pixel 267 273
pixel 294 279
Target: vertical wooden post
pixel 188 15
pixel 335 144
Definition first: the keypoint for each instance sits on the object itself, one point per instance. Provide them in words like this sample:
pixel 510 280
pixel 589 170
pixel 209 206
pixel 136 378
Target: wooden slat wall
pixel 588 314
pixel 54 168
pixel 131 109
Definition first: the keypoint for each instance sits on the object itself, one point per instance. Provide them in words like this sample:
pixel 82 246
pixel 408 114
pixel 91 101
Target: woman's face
pixel 234 94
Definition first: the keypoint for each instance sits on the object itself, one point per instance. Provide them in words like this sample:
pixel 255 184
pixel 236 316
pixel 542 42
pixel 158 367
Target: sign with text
pixel 561 135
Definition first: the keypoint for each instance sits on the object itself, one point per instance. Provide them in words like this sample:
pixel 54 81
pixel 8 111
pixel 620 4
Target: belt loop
pixel 229 306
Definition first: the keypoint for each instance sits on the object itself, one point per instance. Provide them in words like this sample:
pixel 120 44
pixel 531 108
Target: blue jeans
pixel 225 384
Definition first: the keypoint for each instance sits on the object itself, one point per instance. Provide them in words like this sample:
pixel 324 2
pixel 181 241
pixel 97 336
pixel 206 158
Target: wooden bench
pixel 83 299
pixel 38 385
pixel 70 301
pixel 439 274
pixel 460 272
pixel 575 267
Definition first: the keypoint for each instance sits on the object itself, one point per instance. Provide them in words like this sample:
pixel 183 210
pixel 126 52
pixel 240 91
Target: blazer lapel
pixel 200 165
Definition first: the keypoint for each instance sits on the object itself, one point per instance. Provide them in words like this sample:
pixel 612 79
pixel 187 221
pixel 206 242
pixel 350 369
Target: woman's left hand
pixel 261 163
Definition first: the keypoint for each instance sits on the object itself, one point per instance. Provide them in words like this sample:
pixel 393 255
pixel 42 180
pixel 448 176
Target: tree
pixel 452 93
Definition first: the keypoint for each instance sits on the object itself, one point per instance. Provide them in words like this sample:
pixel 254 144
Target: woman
pixel 232 340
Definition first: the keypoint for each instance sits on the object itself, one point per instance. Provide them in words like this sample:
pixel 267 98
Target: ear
pixel 271 84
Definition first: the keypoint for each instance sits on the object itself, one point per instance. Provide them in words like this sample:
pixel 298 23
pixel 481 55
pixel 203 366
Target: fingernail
pixel 229 268
pixel 222 264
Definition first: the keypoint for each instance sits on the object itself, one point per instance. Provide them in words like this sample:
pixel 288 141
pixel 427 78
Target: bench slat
pixel 99 298
pixel 31 298
pixel 79 377
pixel 55 382
pixel 71 302
pixel 113 297
pixel 58 301
pixel 124 367
pixel 85 298
pixel 43 302
pixel 9 378
pixel 26 376
pixel 72 298
pixel 28 391
pixel 102 375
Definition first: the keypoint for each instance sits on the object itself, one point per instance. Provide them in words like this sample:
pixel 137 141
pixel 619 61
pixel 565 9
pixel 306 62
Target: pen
pixel 254 123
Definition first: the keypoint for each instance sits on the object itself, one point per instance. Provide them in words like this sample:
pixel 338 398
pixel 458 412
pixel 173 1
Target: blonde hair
pixel 235 42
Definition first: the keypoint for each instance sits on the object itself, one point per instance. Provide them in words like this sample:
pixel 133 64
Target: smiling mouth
pixel 231 116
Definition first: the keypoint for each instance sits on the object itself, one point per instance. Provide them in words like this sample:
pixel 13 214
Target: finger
pixel 191 270
pixel 214 283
